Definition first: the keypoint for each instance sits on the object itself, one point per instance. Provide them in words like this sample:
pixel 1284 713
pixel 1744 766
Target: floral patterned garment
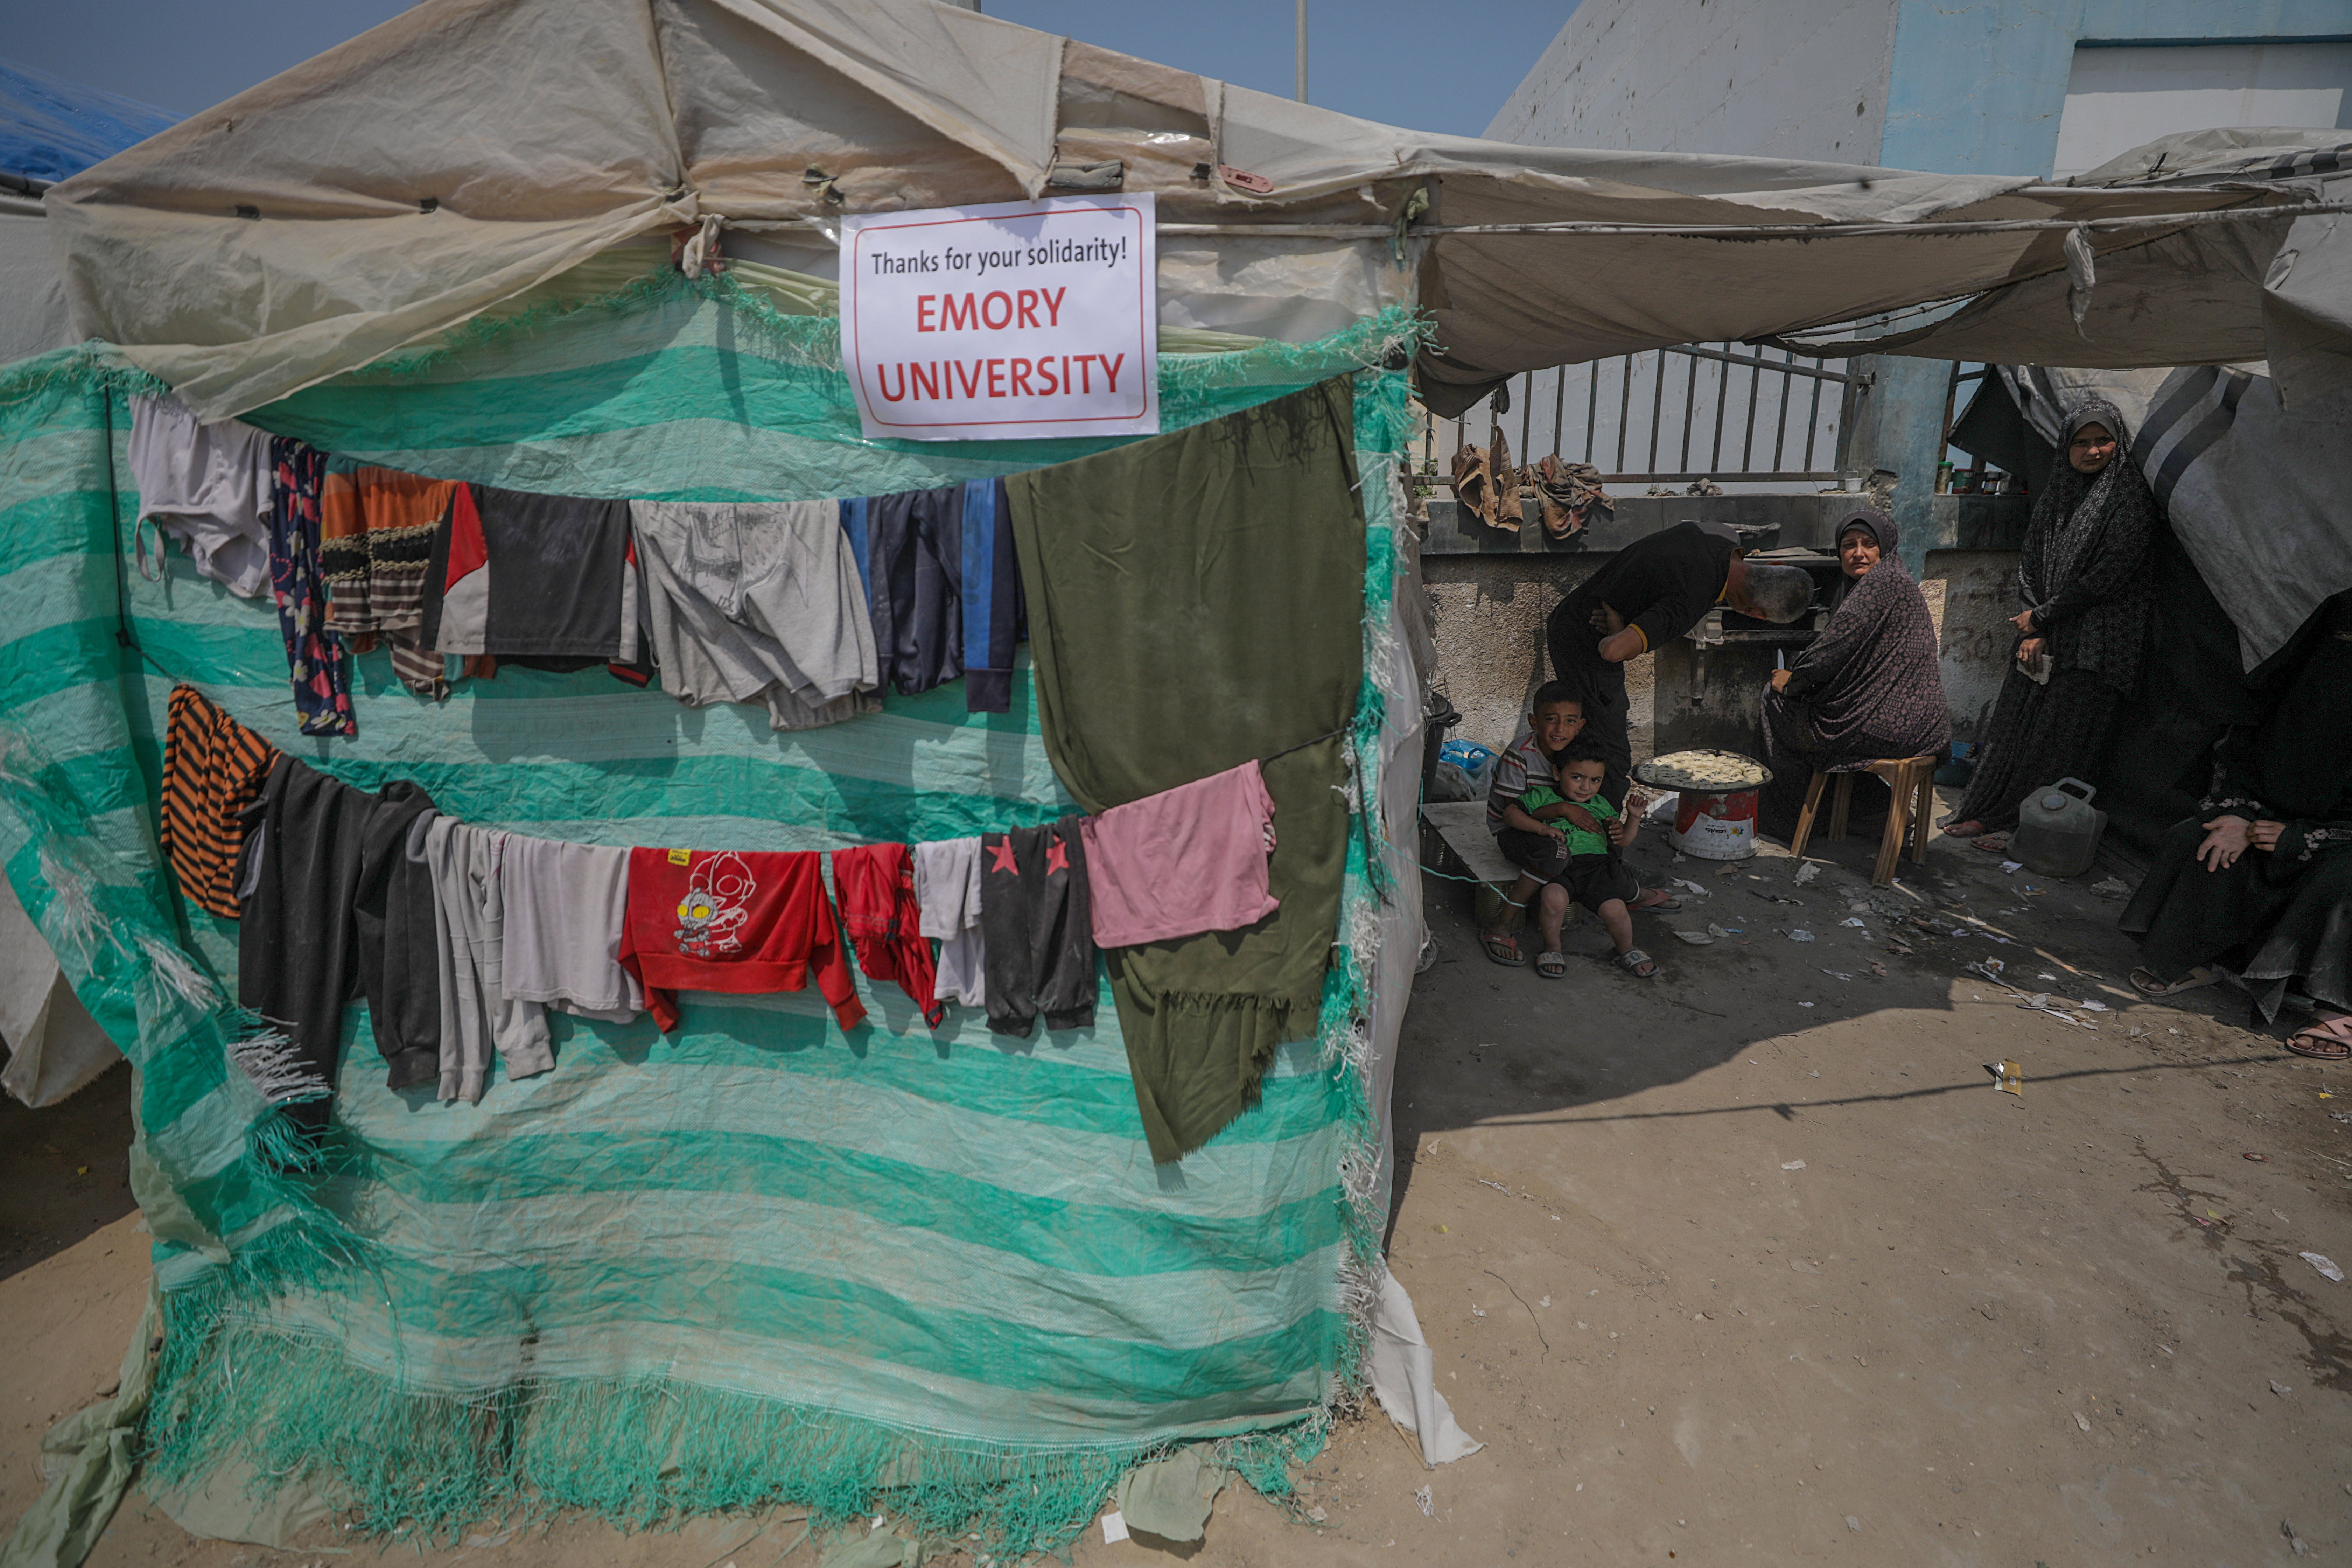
pixel 322 686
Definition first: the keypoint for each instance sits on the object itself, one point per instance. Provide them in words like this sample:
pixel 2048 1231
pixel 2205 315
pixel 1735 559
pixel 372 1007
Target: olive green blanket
pixel 1196 601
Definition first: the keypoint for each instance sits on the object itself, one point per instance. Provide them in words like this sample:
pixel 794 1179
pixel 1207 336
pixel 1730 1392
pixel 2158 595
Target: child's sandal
pixel 1551 966
pixel 1637 963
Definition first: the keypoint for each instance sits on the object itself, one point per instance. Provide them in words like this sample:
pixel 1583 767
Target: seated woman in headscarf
pixel 2260 880
pixel 1866 690
pixel 2089 592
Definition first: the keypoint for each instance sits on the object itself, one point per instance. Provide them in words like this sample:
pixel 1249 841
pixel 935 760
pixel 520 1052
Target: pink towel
pixel 1183 861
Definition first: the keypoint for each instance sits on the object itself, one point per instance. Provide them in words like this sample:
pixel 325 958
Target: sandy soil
pixel 1718 1276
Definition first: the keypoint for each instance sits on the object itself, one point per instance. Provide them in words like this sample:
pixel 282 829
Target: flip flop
pixel 1657 900
pixel 1632 959
pixel 1992 843
pixel 2147 985
pixel 2330 1041
pixel 1551 966
pixel 1502 947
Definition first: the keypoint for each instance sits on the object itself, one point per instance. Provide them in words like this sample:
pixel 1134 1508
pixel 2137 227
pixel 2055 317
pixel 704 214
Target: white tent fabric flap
pixel 55 1047
pixel 1404 1379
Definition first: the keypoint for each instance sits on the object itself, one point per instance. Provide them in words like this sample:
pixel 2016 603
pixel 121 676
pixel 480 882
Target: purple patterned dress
pixel 321 687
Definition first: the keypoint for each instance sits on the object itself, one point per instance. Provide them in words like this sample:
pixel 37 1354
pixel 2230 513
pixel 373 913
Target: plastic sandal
pixel 2328 1041
pixel 2147 985
pixel 1551 966
pixel 1631 962
pixel 1502 947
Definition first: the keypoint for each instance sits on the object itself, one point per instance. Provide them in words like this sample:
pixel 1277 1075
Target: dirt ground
pixel 1749 1264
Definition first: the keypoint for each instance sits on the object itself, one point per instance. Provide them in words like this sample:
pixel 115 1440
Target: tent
pixel 49 128
pixel 768 1260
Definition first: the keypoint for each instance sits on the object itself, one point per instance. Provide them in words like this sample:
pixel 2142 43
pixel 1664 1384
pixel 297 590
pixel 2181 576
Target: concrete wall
pixel 1790 79
pixel 1489 620
pixel 1977 87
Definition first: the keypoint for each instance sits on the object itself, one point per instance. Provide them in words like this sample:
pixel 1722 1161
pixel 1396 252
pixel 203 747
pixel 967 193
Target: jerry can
pixel 2058 829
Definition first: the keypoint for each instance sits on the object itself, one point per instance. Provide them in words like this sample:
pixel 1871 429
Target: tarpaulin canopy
pixel 2278 287
pixel 469 148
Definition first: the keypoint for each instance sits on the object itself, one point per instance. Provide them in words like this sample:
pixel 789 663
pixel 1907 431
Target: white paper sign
pixel 1004 321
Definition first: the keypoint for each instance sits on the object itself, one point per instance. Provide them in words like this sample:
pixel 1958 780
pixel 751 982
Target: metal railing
pixel 1641 417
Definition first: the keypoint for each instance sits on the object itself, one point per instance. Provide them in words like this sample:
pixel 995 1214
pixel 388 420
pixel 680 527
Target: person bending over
pixel 1651 592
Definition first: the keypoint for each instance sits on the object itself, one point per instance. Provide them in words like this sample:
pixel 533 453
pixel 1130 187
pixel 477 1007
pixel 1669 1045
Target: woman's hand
pixel 1579 818
pixel 2031 649
pixel 2225 840
pixel 1781 679
pixel 2024 623
pixel 2265 835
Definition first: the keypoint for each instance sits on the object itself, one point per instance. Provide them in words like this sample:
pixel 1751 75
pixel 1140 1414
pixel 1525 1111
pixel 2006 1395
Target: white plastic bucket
pixel 1716 827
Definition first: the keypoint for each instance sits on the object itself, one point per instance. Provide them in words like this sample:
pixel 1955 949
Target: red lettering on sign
pixel 1110 368
pixel 1052 298
pixel 950 317
pixel 1046 384
pixel 923 314
pixel 927 381
pixel 996 375
pixel 1027 302
pixel 971 383
pixel 1021 379
pixel 882 382
pixel 988 310
pixel 1086 376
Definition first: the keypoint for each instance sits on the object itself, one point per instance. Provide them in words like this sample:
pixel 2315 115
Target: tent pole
pixel 1301 94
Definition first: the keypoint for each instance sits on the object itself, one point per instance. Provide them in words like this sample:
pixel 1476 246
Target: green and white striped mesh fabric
pixel 759 1260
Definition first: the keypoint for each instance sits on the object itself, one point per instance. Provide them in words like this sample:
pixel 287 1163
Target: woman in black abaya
pixel 2260 880
pixel 2089 592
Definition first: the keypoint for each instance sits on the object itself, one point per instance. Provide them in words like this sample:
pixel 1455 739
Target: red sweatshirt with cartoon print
pixel 745 922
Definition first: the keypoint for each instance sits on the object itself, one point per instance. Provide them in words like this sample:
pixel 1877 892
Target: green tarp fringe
pixel 775 1260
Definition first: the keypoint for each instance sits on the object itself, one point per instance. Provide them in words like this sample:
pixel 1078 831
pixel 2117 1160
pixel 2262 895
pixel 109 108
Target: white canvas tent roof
pixel 469 150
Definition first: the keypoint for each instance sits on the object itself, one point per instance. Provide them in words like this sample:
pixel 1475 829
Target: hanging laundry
pixel 1041 944
pixel 540 581
pixel 376 527
pixel 758 604
pixel 876 886
pixel 1195 599
pixel 469 932
pixel 394 926
pixel 322 693
pixel 946 893
pixel 296 950
pixel 213 767
pixel 943 587
pixel 747 922
pixel 566 909
pixel 1186 860
pixel 209 484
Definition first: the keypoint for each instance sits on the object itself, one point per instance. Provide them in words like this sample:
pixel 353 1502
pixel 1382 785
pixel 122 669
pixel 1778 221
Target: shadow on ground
pixel 65 1170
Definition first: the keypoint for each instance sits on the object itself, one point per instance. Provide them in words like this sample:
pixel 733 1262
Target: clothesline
pixel 519 924
pixel 811 609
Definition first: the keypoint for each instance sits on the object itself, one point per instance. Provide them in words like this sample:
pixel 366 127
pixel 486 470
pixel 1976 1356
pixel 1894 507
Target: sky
pixel 1382 59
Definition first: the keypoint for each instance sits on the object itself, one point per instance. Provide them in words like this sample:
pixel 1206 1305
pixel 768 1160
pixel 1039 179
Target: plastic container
pixel 2058 829
pixel 1716 827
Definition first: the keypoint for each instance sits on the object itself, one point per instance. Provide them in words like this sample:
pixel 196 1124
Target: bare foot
pixel 1962 829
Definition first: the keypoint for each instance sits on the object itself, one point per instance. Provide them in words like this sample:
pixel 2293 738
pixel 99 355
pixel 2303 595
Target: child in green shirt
pixel 1587 869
